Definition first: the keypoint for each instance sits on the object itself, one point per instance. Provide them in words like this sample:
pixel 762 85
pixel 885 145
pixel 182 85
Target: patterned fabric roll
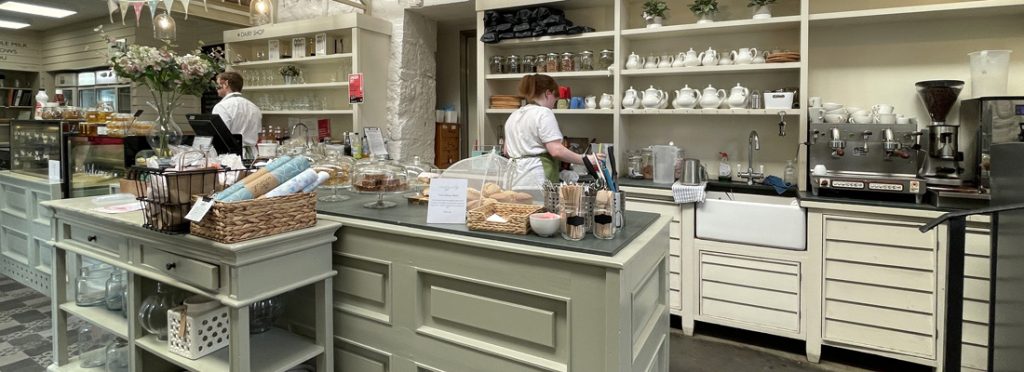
pixel 270 180
pixel 241 184
pixel 294 185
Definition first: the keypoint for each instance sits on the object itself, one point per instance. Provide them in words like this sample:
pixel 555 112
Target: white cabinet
pixel 25 249
pixel 674 247
pixel 749 292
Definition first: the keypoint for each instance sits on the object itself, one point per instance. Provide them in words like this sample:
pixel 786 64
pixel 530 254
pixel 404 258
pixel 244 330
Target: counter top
pixel 712 186
pixel 415 216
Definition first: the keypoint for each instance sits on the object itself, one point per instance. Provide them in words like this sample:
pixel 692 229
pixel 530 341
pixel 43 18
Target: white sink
pixel 762 220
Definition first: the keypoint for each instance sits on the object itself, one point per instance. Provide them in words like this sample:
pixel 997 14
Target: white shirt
pixel 526 132
pixel 241 117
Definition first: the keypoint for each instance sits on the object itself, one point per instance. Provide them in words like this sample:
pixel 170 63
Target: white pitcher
pixel 634 62
pixel 606 101
pixel 663 102
pixel 591 102
pixel 760 58
pixel 712 98
pixel 630 99
pixel 678 60
pixel 651 61
pixel 726 59
pixel 665 61
pixel 708 57
pixel 686 98
pixel 738 97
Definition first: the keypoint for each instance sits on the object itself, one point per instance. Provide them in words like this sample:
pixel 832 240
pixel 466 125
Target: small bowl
pixel 831 106
pixel 545 224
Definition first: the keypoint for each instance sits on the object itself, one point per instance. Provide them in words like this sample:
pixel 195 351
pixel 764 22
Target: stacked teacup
pixel 835 113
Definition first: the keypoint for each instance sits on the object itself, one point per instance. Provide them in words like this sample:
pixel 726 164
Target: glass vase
pixel 115 291
pixel 117 356
pixel 153 311
pixel 91 343
pixel 165 133
pixel 264 313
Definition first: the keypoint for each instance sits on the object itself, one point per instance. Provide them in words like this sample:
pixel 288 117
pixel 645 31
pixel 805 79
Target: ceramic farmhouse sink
pixel 767 221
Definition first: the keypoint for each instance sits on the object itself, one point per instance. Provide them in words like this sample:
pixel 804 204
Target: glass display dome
pixel 420 173
pixel 380 177
pixel 339 167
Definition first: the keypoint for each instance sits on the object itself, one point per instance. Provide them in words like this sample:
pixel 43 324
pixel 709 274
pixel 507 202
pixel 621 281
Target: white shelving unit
pixel 561 111
pixel 733 26
pixel 274 350
pixel 364 43
pixel 705 70
pixel 700 111
pixel 111 321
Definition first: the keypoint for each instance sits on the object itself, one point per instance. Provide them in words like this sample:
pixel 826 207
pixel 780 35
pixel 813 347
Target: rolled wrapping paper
pixel 270 180
pixel 293 185
pixel 252 177
pixel 321 177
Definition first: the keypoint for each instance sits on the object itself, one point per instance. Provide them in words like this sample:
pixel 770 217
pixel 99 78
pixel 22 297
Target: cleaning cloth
pixel 777 183
pixel 684 194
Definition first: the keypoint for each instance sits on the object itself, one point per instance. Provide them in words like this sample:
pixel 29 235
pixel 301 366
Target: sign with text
pixel 447 200
pixel 376 141
pixel 355 88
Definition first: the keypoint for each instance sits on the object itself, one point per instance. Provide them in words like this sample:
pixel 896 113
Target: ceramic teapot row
pixel 606 101
pixel 691 58
pixel 687 98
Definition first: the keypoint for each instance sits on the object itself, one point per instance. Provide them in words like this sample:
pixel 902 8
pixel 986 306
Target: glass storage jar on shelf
pixel 497 65
pixel 264 313
pixel 512 64
pixel 566 64
pixel 541 63
pixel 117 356
pixel 153 311
pixel 552 62
pixel 529 64
pixel 606 60
pixel 379 176
pixel 71 113
pixel 91 284
pixel 586 61
pixel 92 341
pixel 113 295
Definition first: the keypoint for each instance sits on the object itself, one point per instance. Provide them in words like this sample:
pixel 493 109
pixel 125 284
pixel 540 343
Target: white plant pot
pixel 654 22
pixel 705 19
pixel 762 12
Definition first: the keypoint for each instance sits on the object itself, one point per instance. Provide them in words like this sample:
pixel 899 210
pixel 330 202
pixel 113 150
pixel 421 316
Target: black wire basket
pixel 167 194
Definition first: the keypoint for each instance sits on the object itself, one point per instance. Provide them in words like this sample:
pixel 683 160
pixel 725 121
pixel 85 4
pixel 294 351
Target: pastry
pixel 426 191
pixel 491 188
pixel 472 194
pixel 504 196
pixel 522 196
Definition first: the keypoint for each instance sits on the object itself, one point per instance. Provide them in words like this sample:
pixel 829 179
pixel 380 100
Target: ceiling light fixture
pixel 39 10
pixel 14 25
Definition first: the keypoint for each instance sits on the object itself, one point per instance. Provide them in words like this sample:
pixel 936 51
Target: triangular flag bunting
pixel 168 4
pixel 185 3
pixel 138 12
pixel 204 6
pixel 124 9
pixel 111 7
pixel 152 8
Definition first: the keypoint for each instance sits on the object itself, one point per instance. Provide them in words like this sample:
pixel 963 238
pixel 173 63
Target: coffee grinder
pixel 941 162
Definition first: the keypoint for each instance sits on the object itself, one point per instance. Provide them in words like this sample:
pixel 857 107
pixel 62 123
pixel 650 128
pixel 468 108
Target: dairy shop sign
pixel 249 33
pixel 12 48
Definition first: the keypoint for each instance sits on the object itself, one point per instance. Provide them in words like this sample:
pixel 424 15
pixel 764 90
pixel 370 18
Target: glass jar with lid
pixel 497 65
pixel 71 113
pixel 541 63
pixel 647 163
pixel 567 63
pixel 606 59
pixel 379 176
pixel 420 173
pixel 552 65
pixel 106 110
pixel 529 62
pixel 513 65
pixel 586 61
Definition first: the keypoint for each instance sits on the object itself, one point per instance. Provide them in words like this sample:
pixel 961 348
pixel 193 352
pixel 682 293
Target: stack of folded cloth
pixel 531 22
pixel 684 194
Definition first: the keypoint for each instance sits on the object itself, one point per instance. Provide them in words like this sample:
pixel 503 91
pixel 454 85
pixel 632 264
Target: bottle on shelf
pixel 790 173
pixel 724 171
pixel 41 99
pixel 366 147
pixel 357 146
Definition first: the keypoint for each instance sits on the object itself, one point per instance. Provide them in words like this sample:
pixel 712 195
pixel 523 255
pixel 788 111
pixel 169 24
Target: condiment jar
pixel 552 65
pixel 497 65
pixel 586 61
pixel 567 63
pixel 528 63
pixel 541 64
pixel 513 64
pixel 92 115
pixel 606 60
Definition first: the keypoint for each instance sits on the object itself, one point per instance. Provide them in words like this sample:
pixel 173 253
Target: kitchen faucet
pixel 754 143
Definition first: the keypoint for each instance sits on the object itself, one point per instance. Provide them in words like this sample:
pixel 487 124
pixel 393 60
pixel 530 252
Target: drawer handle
pixel 91 238
pixel 170 266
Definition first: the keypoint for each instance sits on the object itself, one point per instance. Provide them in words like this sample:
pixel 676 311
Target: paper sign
pixel 54 171
pixel 324 44
pixel 376 141
pixel 323 127
pixel 298 47
pixel 199 209
pixel 274 48
pixel 355 88
pixel 199 141
pixel 447 201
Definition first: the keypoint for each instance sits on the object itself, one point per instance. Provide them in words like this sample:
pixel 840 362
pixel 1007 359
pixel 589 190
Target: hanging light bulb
pixel 164 28
pixel 261 12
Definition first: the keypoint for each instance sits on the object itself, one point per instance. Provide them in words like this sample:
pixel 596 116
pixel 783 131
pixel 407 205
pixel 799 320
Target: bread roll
pixel 472 194
pixel 487 201
pixel 426 191
pixel 522 196
pixel 504 196
pixel 491 188
pixel 473 204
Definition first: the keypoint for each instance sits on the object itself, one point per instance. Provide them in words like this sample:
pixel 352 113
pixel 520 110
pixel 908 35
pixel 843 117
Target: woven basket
pixel 517 215
pixel 250 219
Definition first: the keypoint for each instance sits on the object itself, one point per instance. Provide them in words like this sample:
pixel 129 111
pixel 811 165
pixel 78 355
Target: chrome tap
pixel 754 144
pixel 837 144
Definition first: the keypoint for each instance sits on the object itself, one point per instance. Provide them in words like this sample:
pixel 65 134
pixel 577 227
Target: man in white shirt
pixel 239 114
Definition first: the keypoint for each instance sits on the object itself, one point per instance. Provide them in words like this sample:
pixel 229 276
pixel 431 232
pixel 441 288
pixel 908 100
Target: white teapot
pixel 744 56
pixel 691 59
pixel 630 99
pixel 651 98
pixel 651 61
pixel 678 60
pixel 738 97
pixel 665 61
pixel 686 98
pixel 663 103
pixel 708 57
pixel 760 58
pixel 606 101
pixel 712 98
pixel 591 102
pixel 634 62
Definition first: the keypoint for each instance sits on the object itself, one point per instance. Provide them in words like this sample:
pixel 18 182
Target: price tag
pixel 54 171
pixel 199 141
pixel 101 130
pixel 298 47
pixel 355 88
pixel 376 141
pixel 199 209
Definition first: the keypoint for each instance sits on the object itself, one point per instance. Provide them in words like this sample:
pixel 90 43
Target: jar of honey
pixel 92 115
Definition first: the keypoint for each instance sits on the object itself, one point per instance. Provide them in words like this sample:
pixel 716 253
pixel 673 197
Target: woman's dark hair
pixel 533 86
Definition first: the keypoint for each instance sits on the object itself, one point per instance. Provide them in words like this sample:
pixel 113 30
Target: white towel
pixel 684 194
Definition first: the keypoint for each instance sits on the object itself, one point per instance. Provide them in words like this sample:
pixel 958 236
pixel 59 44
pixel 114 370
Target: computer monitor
pixel 209 125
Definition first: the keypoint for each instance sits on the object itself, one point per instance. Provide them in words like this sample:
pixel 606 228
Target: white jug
pixel 760 58
pixel 606 101
pixel 651 61
pixel 712 98
pixel 738 97
pixel 665 61
pixel 663 103
pixel 726 59
pixel 634 61
pixel 591 102
pixel 686 98
pixel 651 97
pixel 680 58
pixel 630 99
pixel 708 57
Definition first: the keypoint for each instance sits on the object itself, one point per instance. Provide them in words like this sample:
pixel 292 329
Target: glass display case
pixel 33 144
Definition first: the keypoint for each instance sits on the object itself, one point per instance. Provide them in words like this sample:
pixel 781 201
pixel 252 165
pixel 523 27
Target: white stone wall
pixel 411 81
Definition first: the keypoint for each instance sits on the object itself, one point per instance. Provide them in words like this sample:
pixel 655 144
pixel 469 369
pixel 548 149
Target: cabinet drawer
pixel 674 264
pixel 675 247
pixel 97 239
pixel 197 273
pixel 978 242
pixel 674 281
pixel 675 299
pixel 879 338
pixel 881 232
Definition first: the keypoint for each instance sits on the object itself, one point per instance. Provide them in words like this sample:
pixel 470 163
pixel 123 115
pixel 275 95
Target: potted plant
pixel 762 8
pixel 290 73
pixel 705 10
pixel 654 12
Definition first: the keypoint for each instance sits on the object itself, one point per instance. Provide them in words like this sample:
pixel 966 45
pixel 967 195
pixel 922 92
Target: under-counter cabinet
pixel 25 229
pixel 882 288
pixel 653 204
pixel 236 275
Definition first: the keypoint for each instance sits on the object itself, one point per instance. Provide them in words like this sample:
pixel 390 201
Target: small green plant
pixel 290 70
pixel 704 7
pixel 754 3
pixel 655 8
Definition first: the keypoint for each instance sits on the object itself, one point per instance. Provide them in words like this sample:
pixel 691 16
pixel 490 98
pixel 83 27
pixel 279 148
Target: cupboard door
pixel 750 290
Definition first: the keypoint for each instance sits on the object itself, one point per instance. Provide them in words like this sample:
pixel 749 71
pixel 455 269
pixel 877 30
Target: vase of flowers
pixel 705 10
pixel 762 8
pixel 168 76
pixel 291 74
pixel 654 13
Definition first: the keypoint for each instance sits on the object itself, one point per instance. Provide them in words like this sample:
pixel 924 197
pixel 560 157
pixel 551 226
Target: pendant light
pixel 164 28
pixel 261 12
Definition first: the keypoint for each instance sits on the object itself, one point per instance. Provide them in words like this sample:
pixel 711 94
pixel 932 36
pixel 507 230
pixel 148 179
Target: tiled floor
pixel 25 344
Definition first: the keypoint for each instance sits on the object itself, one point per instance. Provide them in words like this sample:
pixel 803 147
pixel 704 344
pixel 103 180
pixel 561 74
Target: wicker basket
pixel 517 215
pixel 250 219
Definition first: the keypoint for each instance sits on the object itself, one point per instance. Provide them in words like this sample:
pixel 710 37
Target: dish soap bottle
pixel 724 170
pixel 790 173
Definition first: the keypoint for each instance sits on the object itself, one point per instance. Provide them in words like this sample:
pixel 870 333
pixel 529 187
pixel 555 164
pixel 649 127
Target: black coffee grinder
pixel 941 163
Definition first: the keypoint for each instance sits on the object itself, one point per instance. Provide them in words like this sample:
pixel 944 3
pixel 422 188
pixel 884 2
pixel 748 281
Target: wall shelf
pixel 560 111
pixel 693 29
pixel 100 316
pixel 317 86
pixel 586 38
pixel 556 75
pixel 309 112
pixel 700 111
pixel 934 12
pixel 315 60
pixel 705 70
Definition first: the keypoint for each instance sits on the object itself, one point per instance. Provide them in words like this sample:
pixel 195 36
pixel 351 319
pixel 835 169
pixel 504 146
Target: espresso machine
pixel 996 120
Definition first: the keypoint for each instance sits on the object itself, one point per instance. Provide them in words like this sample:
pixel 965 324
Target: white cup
pixel 860 119
pixel 853 109
pixel 900 119
pixel 831 106
pixel 885 119
pixel 819 170
pixel 882 109
pixel 815 102
pixel 835 118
